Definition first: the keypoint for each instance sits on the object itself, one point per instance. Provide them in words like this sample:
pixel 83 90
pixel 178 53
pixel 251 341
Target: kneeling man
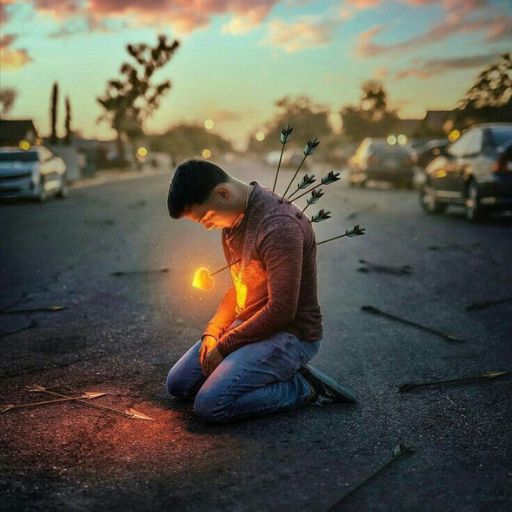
pixel 253 354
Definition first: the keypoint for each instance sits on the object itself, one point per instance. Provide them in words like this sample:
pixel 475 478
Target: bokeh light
pixel 260 136
pixel 453 135
pixel 142 152
pixel 206 153
pixel 209 124
pixel 391 140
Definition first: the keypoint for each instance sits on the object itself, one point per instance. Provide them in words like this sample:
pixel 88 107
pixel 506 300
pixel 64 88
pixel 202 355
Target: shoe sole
pixel 343 393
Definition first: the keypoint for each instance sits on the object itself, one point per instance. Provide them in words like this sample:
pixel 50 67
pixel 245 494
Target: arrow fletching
pixel 493 374
pixel 285 134
pixel 331 177
pixel 401 448
pixel 315 196
pixel 310 146
pixel 355 231
pixel 320 216
pixel 306 180
pixel 136 415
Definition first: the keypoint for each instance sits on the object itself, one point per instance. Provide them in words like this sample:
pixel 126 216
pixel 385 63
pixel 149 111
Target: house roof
pixel 14 130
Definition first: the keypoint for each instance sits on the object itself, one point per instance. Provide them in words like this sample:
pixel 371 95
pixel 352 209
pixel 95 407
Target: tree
pixel 131 99
pixel 309 120
pixel 7 98
pixel 53 113
pixel 490 97
pixel 372 117
pixel 188 140
pixel 67 122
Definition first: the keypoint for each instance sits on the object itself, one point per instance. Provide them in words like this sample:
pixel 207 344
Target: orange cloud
pixel 12 58
pixel 496 28
pixel 428 68
pixel 298 35
pixel 182 16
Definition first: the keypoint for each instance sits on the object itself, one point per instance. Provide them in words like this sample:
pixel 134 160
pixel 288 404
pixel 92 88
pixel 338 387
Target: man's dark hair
pixel 191 184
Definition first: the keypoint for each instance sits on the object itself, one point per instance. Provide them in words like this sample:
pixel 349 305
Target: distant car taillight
pixel 504 162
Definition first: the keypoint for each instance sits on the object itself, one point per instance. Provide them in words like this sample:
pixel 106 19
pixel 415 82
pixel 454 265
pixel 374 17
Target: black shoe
pixel 327 389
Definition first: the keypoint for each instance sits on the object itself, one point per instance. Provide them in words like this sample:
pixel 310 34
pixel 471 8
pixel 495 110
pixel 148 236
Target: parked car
pixel 475 172
pixel 430 150
pixel 35 173
pixel 375 159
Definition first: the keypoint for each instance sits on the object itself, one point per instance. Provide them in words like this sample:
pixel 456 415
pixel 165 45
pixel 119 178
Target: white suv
pixel 33 173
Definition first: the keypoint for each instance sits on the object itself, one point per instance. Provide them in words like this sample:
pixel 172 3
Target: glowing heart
pixel 202 279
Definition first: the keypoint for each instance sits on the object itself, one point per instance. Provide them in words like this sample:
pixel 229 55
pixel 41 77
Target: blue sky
pixel 237 57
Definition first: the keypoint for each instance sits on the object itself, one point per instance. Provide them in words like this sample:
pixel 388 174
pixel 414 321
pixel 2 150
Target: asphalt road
pixel 120 334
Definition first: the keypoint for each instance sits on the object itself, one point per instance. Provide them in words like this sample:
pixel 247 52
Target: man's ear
pixel 222 192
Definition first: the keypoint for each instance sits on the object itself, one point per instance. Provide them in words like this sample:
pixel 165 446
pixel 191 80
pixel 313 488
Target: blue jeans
pixel 258 378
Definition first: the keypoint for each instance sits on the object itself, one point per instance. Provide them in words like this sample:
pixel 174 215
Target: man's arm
pixel 224 315
pixel 281 250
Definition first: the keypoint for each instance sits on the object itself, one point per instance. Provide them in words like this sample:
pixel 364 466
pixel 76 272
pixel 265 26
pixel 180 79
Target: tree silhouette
pixel 372 117
pixel 131 99
pixel 308 118
pixel 490 97
pixel 188 140
pixel 54 112
pixel 7 98
pixel 67 122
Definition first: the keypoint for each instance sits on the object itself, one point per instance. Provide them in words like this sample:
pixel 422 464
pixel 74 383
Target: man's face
pixel 213 213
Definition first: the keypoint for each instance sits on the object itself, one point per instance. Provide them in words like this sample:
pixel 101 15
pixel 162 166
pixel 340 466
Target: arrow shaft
pixel 292 180
pixel 329 239
pixel 367 479
pixel 34 404
pixel 278 167
pixel 30 310
pixel 413 324
pixel 303 194
pixel 225 267
pixel 95 406
pixel 414 385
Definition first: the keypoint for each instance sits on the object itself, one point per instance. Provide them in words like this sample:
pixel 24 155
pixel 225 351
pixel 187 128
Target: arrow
pixel 404 269
pixel 375 311
pixel 400 449
pixel 86 396
pixel 483 305
pixel 50 309
pixel 131 413
pixel 135 272
pixel 408 386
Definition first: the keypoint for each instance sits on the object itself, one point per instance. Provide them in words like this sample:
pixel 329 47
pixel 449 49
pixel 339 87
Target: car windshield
pixel 501 136
pixel 19 156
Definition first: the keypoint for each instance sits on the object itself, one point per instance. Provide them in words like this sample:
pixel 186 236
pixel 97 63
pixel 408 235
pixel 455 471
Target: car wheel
pixel 63 191
pixel 473 206
pixel 428 200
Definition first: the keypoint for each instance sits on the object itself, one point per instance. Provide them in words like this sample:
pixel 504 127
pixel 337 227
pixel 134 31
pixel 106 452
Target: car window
pixel 458 148
pixel 474 143
pixel 500 136
pixel 18 156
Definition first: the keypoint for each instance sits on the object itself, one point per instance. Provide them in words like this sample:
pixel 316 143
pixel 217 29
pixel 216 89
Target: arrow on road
pixel 50 309
pixel 408 386
pixel 376 311
pixel 130 413
pixel 400 449
pixel 88 395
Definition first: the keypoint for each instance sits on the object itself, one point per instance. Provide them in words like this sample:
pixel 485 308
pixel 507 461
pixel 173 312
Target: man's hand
pixel 209 356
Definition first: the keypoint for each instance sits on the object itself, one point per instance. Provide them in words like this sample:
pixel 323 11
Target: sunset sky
pixel 237 57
